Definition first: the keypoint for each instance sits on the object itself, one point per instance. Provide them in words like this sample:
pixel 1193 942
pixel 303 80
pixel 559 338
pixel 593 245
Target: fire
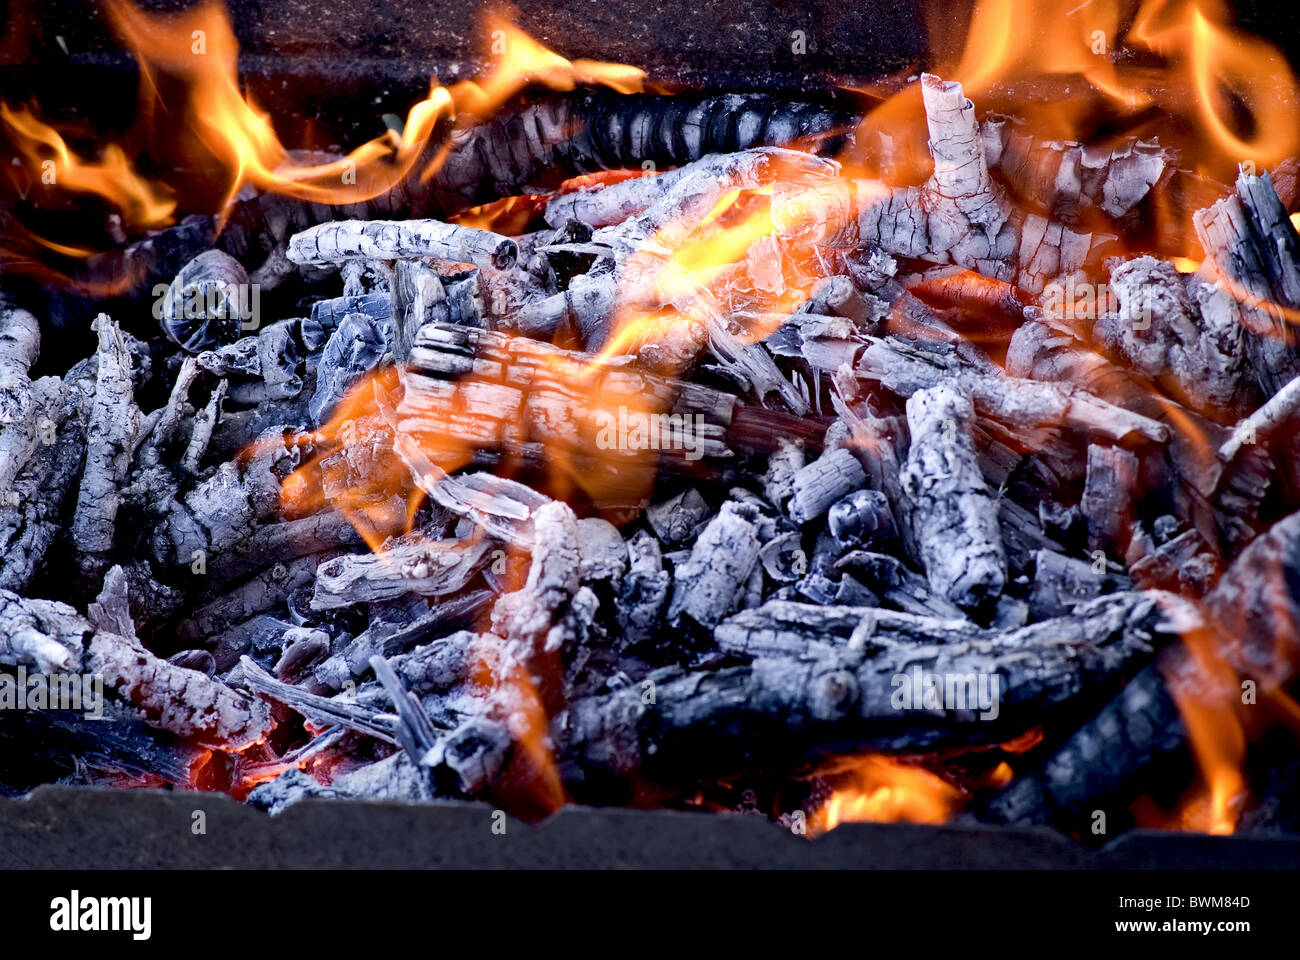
pixel 1010 39
pixel 381 504
pixel 1218 66
pixel 524 61
pixel 1177 60
pixel 47 158
pixel 197 50
pixel 881 789
pixel 704 267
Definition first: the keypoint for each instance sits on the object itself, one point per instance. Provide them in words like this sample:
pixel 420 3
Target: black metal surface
pixel 81 828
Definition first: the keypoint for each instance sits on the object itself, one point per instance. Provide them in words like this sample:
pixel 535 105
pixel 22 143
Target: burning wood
pixel 742 472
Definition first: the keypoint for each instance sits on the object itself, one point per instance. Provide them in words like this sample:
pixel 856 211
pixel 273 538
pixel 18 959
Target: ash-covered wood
pixel 954 519
pixel 110 432
pixel 349 240
pixel 1252 249
pixel 207 303
pixel 20 344
pixel 672 495
pixel 781 709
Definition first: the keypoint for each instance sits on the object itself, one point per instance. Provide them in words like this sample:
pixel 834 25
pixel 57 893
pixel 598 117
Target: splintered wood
pixel 715 477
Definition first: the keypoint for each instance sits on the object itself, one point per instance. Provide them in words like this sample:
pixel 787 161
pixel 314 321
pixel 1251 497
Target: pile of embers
pixel 749 485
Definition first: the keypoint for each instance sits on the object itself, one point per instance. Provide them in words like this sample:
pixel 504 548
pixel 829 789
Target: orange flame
pixel 1218 742
pixel 524 61
pixel 1217 66
pixel 882 789
pixel 1179 61
pixel 381 502
pixel 198 49
pixel 48 158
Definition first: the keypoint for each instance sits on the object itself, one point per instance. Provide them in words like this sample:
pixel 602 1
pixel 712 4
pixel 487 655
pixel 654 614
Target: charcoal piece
pixel 1252 613
pixel 1070 180
pixel 330 313
pixel 110 433
pixel 253 635
pixel 543 614
pixel 750 365
pixel 706 586
pixel 959 216
pixel 1020 404
pixel 503 508
pixel 602 552
pixel 804 631
pixel 198 660
pixel 821 483
pixel 1184 563
pixel 118 743
pixel 1140 726
pixel 1163 324
pixel 208 302
pixel 351 240
pixel 676 519
pixel 838 296
pixel 437 666
pixel 1252 249
pixel 415 731
pixel 897 584
pixel 445 617
pixel 258 594
pixel 643 592
pixel 862 519
pixel 417 292
pixel 592 130
pixel 475 753
pixel 355 348
pixel 184 702
pixel 278 795
pixel 1271 416
pixel 776 712
pixel 323 711
pixel 161 428
pixel 413 564
pixel 1107 505
pixel 270 543
pixel 479 389
pixel 616 203
pixel 303 648
pixel 33 516
pixel 954 517
pixel 782 465
pixel 421 295
pixel 20 344
pixel 783 557
pixel 1061 583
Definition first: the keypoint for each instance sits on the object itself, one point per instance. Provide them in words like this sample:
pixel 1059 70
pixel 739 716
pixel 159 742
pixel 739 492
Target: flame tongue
pixel 47 156
pixel 881 789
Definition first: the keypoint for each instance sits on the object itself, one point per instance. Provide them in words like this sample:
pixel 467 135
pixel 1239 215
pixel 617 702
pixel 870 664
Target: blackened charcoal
pixel 862 519
pixel 557 137
pixel 707 586
pixel 676 519
pixel 207 302
pixel 200 660
pixel 330 313
pixel 276 796
pixel 355 348
pixel 823 482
